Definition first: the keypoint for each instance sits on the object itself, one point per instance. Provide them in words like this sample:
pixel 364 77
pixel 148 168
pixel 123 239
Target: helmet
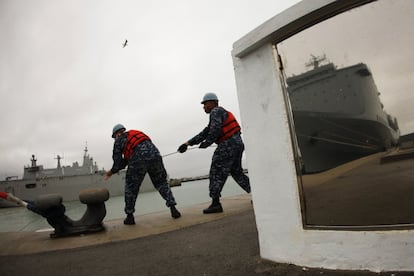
pixel 209 97
pixel 117 128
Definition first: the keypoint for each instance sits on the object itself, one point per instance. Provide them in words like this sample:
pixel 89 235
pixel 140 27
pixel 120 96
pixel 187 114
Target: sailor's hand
pixel 182 148
pixel 107 175
pixel 204 145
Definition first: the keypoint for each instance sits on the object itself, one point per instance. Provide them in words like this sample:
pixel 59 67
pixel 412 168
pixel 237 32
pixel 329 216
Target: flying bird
pixel 125 43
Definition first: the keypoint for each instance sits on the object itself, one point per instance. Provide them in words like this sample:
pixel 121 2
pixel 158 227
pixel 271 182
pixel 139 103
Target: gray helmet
pixel 117 128
pixel 209 97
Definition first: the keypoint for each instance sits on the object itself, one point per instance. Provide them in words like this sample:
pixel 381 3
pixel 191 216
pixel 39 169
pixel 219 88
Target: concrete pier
pixel 20 243
pixel 196 244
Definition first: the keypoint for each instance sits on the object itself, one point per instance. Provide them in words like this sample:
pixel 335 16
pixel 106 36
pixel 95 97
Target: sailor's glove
pixel 204 145
pixel 182 148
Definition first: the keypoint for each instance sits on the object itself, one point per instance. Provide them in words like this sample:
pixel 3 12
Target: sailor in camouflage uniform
pixel 134 149
pixel 224 130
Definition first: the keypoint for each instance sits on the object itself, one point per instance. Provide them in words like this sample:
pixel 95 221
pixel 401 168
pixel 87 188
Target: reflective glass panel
pixel 349 84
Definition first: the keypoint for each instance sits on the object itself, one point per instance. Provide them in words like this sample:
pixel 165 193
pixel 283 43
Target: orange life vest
pixel 229 128
pixel 135 137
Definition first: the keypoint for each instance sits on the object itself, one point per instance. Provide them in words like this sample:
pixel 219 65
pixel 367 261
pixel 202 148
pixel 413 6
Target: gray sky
pixel 66 80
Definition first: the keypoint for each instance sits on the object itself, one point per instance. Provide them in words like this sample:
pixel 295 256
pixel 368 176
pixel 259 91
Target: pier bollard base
pixel 51 207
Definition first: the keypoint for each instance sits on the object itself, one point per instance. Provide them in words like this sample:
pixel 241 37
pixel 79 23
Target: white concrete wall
pixel 273 177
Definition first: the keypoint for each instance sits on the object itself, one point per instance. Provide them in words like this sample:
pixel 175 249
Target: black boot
pixel 215 207
pixel 174 212
pixel 129 220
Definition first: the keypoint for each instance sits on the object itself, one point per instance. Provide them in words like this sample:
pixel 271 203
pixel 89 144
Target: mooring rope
pixel 175 152
pixel 350 130
pixel 338 142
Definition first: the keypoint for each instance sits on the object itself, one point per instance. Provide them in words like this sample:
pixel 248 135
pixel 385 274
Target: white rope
pixel 175 152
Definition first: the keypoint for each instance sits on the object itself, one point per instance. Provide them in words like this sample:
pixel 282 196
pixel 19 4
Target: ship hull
pixel 329 140
pixel 68 187
pixel 338 116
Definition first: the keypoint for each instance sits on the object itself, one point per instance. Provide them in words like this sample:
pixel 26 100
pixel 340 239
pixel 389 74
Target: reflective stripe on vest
pixel 229 128
pixel 135 137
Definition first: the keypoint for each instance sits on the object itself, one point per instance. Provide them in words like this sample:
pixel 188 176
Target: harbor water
pixel 189 193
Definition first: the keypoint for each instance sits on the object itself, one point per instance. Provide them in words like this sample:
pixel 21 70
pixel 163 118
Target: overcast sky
pixel 65 78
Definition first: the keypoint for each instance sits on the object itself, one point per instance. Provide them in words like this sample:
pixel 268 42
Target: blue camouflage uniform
pixel 227 156
pixel 146 158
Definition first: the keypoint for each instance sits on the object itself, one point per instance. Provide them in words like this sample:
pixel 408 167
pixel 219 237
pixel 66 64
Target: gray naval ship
pixel 338 116
pixel 67 181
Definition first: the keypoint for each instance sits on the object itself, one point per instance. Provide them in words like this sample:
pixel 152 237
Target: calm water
pixel 190 193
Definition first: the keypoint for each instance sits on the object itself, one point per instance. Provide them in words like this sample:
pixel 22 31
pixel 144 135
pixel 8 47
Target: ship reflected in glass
pixel 338 115
pixel 348 94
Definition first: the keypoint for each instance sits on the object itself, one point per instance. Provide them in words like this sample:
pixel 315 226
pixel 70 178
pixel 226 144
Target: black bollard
pixel 51 207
